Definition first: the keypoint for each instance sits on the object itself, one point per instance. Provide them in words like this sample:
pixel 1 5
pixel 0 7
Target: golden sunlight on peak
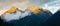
pixel 34 9
pixel 11 10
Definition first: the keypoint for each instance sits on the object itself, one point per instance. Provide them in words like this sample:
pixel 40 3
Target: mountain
pixel 53 20
pixel 35 19
pixel 39 11
pixel 13 9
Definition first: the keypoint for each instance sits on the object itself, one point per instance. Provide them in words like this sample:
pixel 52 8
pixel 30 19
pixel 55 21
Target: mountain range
pixel 34 19
pixel 39 18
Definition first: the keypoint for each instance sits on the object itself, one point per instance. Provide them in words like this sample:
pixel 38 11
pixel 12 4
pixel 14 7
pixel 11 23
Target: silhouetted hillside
pixel 2 23
pixel 53 21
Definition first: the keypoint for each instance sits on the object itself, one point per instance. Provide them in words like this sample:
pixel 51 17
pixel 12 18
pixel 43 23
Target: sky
pixel 23 4
pixel 53 6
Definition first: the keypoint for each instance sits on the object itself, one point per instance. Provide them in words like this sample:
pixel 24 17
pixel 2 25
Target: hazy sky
pixel 23 4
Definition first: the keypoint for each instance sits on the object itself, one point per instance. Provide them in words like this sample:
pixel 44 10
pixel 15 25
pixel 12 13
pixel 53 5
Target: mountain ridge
pixel 35 10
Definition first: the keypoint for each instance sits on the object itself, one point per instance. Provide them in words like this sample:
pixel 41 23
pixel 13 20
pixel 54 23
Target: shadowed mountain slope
pixel 53 20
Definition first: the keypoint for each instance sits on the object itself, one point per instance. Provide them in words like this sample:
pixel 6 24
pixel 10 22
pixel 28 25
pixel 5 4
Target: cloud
pixel 53 6
pixel 15 16
pixel 21 3
pixel 4 4
pixel 44 1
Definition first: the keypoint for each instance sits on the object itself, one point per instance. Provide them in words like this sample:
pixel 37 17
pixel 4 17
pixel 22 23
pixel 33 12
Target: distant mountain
pixel 35 19
pixel 13 9
pixel 53 20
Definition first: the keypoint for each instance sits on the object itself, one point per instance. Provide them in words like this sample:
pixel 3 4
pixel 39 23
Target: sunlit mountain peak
pixel 13 9
pixel 34 9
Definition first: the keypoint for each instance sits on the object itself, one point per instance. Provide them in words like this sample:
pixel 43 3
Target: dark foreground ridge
pixel 2 23
pixel 53 21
